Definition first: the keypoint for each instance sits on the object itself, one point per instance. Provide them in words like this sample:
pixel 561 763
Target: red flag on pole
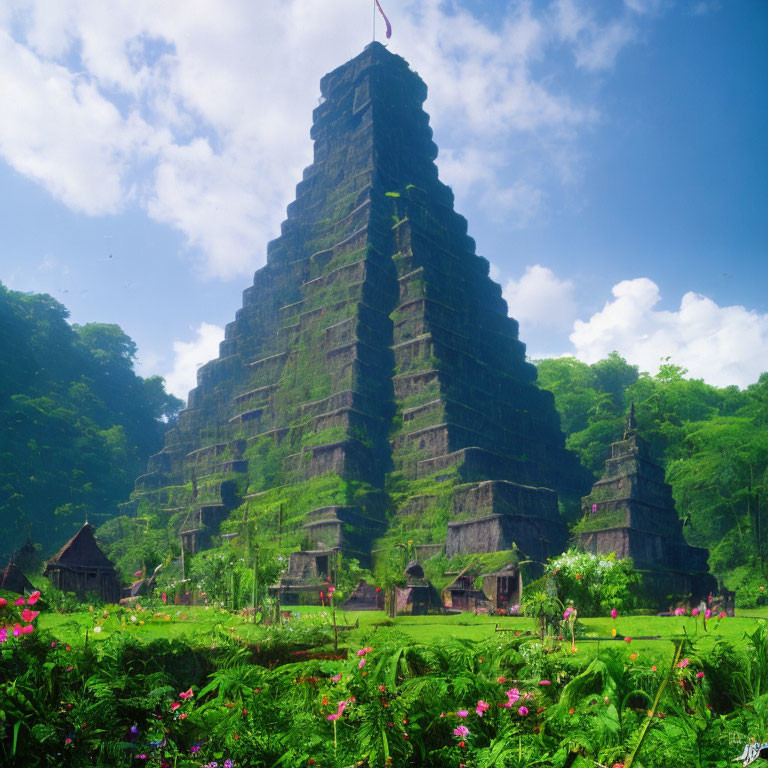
pixel 386 20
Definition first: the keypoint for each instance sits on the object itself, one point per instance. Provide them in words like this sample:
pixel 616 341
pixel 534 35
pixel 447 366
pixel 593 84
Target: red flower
pixel 175 706
pixel 34 597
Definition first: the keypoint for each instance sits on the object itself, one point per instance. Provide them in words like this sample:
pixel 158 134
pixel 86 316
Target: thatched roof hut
pixel 81 567
pixel 365 597
pixel 419 596
pixel 13 580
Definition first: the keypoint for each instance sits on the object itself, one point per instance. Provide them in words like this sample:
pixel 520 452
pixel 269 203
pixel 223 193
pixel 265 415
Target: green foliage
pixel 77 425
pixel 713 442
pixel 594 584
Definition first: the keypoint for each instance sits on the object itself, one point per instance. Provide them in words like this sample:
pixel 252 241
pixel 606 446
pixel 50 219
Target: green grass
pixel 198 626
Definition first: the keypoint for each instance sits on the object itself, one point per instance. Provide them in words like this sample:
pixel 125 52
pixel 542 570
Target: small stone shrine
pixel 631 512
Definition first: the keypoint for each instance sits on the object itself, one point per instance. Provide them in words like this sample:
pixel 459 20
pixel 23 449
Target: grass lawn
pixel 198 625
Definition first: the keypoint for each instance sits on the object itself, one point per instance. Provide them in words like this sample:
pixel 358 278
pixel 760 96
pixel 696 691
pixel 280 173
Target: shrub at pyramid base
pixel 372 390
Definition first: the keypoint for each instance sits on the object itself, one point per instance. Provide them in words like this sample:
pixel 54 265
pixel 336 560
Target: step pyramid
pixel 630 511
pixel 372 389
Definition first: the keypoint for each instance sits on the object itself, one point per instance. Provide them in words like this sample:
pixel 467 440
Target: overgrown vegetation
pixel 713 442
pixel 278 696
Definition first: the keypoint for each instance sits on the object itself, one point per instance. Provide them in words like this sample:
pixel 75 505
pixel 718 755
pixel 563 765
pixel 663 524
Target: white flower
pixel 97 629
pixel 133 618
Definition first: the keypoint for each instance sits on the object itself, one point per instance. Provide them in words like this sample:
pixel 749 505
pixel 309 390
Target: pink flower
pixel 16 630
pixel 461 731
pixel 523 711
pixel 175 706
pixel 69 669
pixel 53 643
pixel 501 679
pixel 569 612
pixel 680 611
pixel 361 663
pixel 699 675
pixel 695 612
pixel 361 652
pixel 627 639
pixel 513 695
pixel 462 713
pixel 545 682
pixel 684 663
pixel 67 741
pixel 721 615
pixel 186 694
pixel 382 688
pixel 137 573
pixel 339 712
pixel 27 629
pixel 3 635
pixel 614 613
pixel 367 649
pixel 34 597
pixel 27 615
pixel 19 601
pixel 707 614
pixel 331 590
pixel 481 707
pixel 3 602
pixel 336 678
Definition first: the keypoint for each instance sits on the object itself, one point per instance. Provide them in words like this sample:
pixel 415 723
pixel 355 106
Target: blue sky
pixel 610 157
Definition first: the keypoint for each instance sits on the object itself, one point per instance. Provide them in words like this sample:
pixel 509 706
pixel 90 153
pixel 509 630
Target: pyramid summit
pixel 372 389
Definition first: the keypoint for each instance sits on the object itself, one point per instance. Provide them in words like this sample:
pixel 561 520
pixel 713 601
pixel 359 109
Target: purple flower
pixel 462 731
pixel 229 763
pixel 522 711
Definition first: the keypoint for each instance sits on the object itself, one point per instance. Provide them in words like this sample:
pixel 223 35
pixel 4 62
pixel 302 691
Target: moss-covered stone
pixel 372 369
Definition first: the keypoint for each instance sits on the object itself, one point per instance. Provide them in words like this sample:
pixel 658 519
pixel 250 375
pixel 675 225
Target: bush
pixel 594 584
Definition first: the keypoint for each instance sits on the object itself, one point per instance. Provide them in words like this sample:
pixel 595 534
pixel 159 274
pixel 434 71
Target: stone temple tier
pixel 372 389
pixel 631 512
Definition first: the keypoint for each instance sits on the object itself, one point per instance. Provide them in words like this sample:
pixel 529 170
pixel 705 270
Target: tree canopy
pixel 77 424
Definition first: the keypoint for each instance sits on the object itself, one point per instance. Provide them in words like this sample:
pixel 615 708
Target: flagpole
pixel 373 5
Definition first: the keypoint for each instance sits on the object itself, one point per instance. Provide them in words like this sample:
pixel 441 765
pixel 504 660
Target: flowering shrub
pixel 595 583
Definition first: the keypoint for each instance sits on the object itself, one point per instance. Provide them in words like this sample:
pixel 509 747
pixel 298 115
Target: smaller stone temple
pixel 81 567
pixel 631 512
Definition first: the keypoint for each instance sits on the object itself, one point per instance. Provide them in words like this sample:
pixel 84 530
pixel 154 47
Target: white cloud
pixel 595 45
pixel 199 113
pixel 189 356
pixel 722 345
pixel 540 299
